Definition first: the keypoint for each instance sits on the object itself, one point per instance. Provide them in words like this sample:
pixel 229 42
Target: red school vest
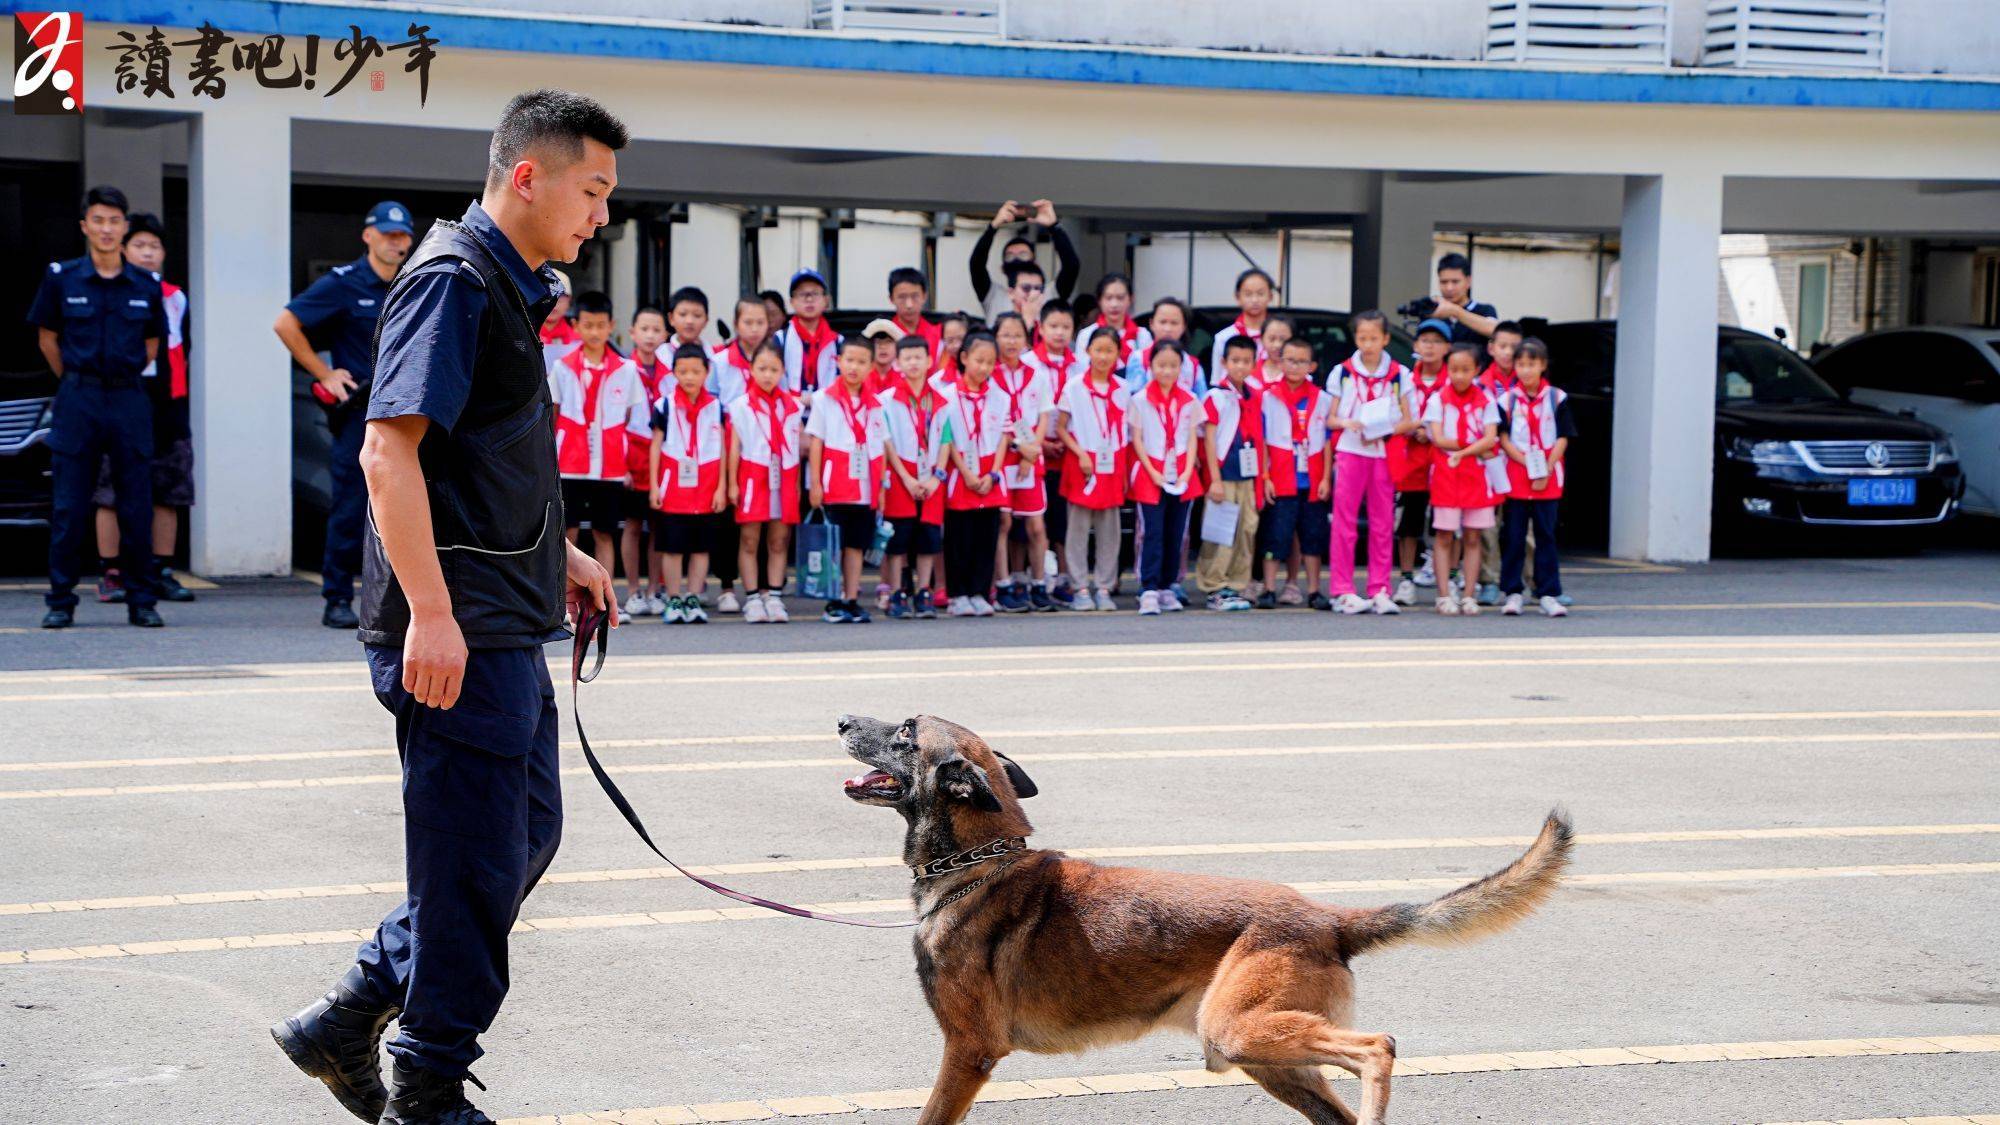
pixel 979 433
pixel 1410 461
pixel 653 377
pixel 1169 424
pixel 1097 421
pixel 1531 422
pixel 1294 430
pixel 849 426
pixel 595 409
pixel 767 432
pixel 694 432
pixel 913 427
pixel 1463 485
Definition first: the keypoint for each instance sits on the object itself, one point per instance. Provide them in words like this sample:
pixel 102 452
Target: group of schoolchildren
pixel 968 458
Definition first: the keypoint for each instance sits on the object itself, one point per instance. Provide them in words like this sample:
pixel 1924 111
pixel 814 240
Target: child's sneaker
pixel 655 605
pixel 1469 606
pixel 635 606
pixel 674 614
pixel 1382 605
pixel 835 613
pixel 1170 602
pixel 1266 600
pixel 1081 602
pixel 881 595
pixel 1351 604
pixel 755 612
pixel 727 603
pixel 1234 602
pixel 111 588
pixel 959 607
pixel 692 613
pixel 1406 592
pixel 857 614
pixel 1253 591
pixel 1011 598
pixel 774 609
pixel 925 610
pixel 1291 595
pixel 899 606
pixel 1553 607
pixel 1149 603
pixel 1039 599
pixel 1512 606
pixel 980 606
pixel 1489 594
pixel 1320 602
pixel 1104 602
pixel 1565 599
pixel 1178 590
pixel 1447 606
pixel 1215 601
pixel 1425 576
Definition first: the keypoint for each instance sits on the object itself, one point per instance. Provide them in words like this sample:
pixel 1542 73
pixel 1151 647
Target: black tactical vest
pixel 496 498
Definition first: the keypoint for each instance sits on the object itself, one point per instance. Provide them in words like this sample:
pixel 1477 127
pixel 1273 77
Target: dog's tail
pixel 1475 910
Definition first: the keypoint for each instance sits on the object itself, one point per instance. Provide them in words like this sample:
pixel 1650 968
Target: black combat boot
pixel 422 1096
pixel 338 1041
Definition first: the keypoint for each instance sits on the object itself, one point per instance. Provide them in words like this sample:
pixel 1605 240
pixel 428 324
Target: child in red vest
pixel 600 406
pixel 812 347
pixel 1298 467
pixel 1166 419
pixel 765 436
pixel 1373 405
pixel 1235 448
pixel 643 573
pixel 1253 299
pixel 1091 424
pixel 1497 380
pixel 975 442
pixel 1410 459
pixel 1465 426
pixel 845 428
pixel 1114 314
pixel 1535 431
pixel 687 482
pixel 1055 363
pixel 913 429
pixel 1031 399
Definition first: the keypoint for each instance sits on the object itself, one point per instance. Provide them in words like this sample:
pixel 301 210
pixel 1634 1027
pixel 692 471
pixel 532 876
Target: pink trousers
pixel 1354 478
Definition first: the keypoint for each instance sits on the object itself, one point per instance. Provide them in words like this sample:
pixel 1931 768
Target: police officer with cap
pixel 338 313
pixel 102 321
pixel 465 572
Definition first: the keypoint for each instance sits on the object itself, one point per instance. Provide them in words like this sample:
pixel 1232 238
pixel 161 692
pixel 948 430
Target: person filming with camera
pixel 1472 322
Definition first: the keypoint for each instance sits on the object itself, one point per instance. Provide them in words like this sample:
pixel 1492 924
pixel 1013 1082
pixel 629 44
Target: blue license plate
pixel 1881 493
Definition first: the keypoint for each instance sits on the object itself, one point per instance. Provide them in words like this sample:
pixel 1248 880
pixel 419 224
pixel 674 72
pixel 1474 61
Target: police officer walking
pixel 339 311
pixel 101 324
pixel 465 572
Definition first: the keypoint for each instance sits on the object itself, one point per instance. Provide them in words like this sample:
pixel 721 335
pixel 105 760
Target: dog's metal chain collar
pixel 971 857
pixel 967 889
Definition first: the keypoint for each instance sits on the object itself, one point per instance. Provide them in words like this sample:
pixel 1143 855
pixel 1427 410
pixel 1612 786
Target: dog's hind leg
pixel 1265 1008
pixel 1305 1089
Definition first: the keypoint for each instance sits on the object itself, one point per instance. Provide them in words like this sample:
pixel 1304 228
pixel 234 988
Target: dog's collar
pixel 971 857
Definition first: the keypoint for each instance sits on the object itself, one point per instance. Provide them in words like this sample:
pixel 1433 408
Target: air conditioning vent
pixel 954 18
pixel 1608 32
pixel 1798 34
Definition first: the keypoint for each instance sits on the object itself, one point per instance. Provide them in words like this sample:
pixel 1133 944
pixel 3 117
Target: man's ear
pixel 1024 786
pixel 960 780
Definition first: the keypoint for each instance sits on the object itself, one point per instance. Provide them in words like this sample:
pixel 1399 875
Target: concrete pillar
pixel 1663 430
pixel 240 212
pixel 129 158
pixel 1392 246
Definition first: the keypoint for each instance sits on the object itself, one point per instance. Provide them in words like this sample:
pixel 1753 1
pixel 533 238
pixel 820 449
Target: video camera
pixel 1421 308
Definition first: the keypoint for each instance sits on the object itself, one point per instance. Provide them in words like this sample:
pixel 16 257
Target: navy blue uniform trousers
pixel 482 816
pixel 342 558
pixel 92 421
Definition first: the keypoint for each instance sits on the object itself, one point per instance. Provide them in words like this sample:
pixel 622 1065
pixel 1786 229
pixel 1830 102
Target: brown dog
pixel 1022 949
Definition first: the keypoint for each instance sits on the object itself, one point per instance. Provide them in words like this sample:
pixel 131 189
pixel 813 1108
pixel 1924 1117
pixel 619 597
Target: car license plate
pixel 1881 493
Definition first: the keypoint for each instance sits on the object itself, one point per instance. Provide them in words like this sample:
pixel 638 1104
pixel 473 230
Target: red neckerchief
pixel 814 342
pixel 1426 393
pixel 691 418
pixel 650 374
pixel 1041 350
pixel 1127 336
pixel 1371 386
pixel 919 414
pixel 734 357
pixel 1301 419
pixel 1467 404
pixel 1016 375
pixel 776 406
pixel 1167 409
pixel 853 408
pixel 1102 404
pixel 976 420
pixel 563 333
pixel 1528 405
pixel 591 384
pixel 1496 381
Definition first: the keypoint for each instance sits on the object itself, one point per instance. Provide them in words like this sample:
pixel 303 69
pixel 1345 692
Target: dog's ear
pixel 1024 786
pixel 961 780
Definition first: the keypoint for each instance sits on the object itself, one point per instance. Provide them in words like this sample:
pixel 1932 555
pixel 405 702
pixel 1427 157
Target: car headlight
pixel 1765 452
pixel 1947 452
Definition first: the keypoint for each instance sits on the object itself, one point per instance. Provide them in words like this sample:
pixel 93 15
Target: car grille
pixel 17 420
pixel 1853 456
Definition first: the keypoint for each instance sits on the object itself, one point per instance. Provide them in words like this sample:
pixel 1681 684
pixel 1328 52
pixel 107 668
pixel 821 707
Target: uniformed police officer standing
pixel 339 311
pixel 464 574
pixel 101 323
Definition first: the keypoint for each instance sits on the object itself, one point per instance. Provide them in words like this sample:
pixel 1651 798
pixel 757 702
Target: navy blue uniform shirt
pixel 339 311
pixel 1466 334
pixel 103 322
pixel 431 335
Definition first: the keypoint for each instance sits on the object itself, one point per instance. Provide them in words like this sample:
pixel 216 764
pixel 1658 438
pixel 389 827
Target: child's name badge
pixel 857 465
pixel 1106 461
pixel 776 478
pixel 1172 471
pixel 1024 430
pixel 687 474
pixel 1538 464
pixel 1246 460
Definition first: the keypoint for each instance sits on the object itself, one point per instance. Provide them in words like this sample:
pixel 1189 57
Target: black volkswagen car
pixel 25 404
pixel 1790 451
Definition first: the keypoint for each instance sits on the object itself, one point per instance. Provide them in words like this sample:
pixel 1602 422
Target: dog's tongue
pixel 863 781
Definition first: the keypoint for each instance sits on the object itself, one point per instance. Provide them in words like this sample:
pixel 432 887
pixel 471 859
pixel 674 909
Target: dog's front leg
pixel 964 1071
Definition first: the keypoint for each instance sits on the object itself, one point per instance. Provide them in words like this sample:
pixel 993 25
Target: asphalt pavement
pixel 1783 907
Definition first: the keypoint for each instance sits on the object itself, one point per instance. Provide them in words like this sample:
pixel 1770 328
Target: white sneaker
pixel 1291 595
pixel 1253 591
pixel 774 610
pixel 1383 605
pixel 1082 603
pixel 959 607
pixel 1406 592
pixel 1425 576
pixel 754 610
pixel 727 603
pixel 1351 604
pixel 673 614
pixel 1512 606
pixel 1149 603
pixel 882 596
pixel 635 606
pixel 980 606
pixel 1469 606
pixel 655 605
pixel 1447 606
pixel 1104 602
pixel 692 613
pixel 1169 602
pixel 1553 608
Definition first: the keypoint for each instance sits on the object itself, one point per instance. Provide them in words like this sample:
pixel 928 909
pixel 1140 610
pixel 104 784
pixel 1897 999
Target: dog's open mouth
pixel 874 787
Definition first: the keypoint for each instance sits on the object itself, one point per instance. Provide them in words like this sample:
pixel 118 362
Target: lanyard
pixel 1014 392
pixel 922 417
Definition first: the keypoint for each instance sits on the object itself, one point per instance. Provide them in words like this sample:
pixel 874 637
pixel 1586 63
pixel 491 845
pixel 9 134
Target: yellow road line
pixel 1099 1085
pixel 754 764
pixel 1132 851
pixel 1179 667
pixel 830 738
pixel 1205 651
pixel 900 906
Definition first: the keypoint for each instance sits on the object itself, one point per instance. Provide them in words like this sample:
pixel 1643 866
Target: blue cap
pixel 1435 325
pixel 389 217
pixel 808 274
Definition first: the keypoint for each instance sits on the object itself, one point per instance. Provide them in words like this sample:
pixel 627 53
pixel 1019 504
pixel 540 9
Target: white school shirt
pixel 1358 385
pixel 726 380
pixel 1084 423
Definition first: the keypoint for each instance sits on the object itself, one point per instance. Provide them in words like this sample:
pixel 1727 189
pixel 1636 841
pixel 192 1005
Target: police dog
pixel 1025 949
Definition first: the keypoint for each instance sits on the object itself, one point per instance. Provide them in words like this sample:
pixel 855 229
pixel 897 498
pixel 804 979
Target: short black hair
pixel 867 343
pixel 976 339
pixel 1240 343
pixel 1253 271
pixel 592 301
pixel 773 297
pixel 1370 316
pixel 1009 316
pixel 1532 346
pixel 1012 271
pixel 691 351
pixel 106 195
pixel 1109 280
pixel 1455 261
pixel 1018 240
pixel 145 222
pixel 1173 346
pixel 955 318
pixel 1055 305
pixel 642 310
pixel 1301 342
pixel 1469 350
pixel 556 121
pixel 688 294
pixel 908 275
pixel 1513 326
pixel 913 342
